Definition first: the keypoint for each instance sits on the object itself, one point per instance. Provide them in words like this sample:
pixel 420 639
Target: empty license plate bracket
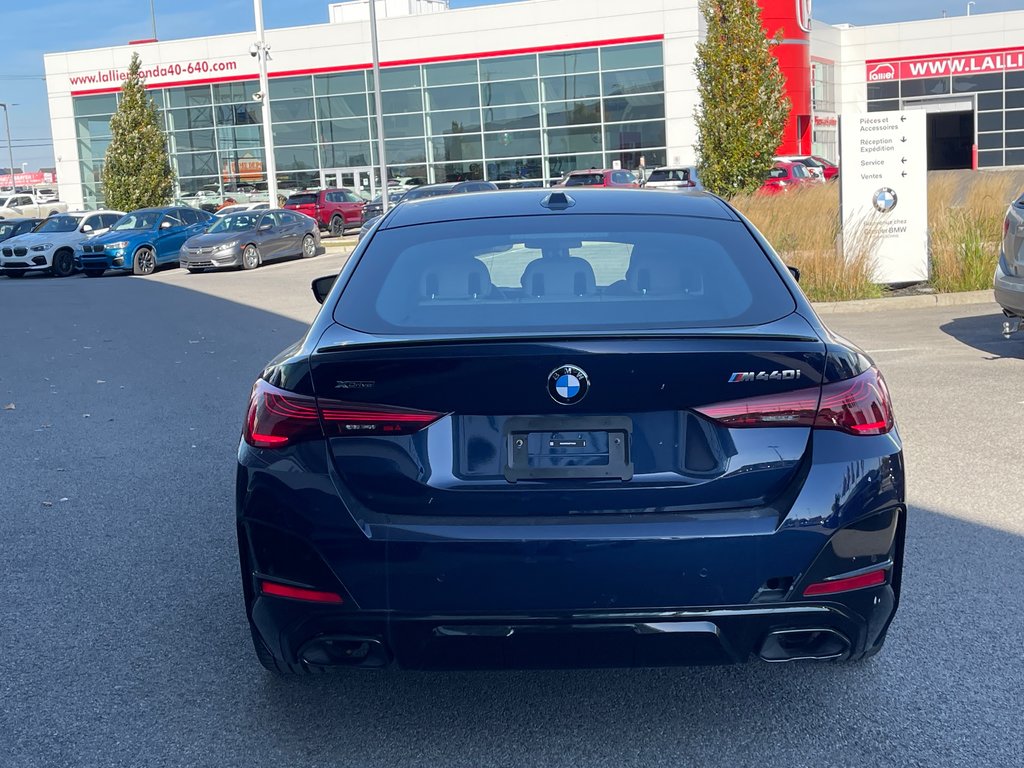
pixel 568 448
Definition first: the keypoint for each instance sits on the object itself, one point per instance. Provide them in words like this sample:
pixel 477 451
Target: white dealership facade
pixel 524 90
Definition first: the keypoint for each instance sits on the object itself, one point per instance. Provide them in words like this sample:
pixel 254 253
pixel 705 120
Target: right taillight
pixel 278 418
pixel 858 406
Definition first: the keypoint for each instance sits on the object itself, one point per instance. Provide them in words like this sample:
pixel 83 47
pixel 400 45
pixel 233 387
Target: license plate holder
pixel 568 448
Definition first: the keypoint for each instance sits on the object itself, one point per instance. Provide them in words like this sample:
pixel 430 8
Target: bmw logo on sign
pixel 568 384
pixel 884 200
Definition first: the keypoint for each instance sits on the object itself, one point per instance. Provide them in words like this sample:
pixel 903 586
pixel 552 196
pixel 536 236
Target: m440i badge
pixel 764 376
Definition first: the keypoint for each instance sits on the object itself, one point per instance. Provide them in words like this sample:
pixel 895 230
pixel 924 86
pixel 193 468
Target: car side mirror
pixel 322 287
pixel 87 227
pixel 265 227
pixel 165 225
pixel 795 272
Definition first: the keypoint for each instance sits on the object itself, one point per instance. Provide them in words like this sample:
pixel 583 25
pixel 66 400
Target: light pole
pixel 969 6
pixel 261 51
pixel 378 109
pixel 152 15
pixel 10 144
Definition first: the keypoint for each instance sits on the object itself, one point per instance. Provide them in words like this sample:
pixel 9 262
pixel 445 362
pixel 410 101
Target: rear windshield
pixel 562 273
pixel 301 200
pixel 666 175
pixel 585 180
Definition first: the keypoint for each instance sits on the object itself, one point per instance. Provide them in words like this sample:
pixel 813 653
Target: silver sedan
pixel 248 238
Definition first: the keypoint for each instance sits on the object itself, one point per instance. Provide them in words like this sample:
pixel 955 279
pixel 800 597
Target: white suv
pixel 51 248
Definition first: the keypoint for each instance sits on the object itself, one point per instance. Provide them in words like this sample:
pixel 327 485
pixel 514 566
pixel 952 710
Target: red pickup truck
pixel 334 209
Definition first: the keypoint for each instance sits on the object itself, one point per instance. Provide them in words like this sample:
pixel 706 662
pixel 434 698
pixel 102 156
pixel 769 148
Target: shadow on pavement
pixel 126 643
pixel 984 332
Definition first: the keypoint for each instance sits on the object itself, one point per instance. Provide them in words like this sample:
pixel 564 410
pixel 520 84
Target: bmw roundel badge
pixel 568 384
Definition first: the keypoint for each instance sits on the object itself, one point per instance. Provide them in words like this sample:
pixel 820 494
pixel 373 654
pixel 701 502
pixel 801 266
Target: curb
pixel 903 302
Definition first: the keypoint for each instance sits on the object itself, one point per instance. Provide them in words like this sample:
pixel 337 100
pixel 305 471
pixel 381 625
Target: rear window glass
pixel 666 175
pixel 585 180
pixel 562 273
pixel 301 200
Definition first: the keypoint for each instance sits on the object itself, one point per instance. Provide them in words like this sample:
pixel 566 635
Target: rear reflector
pixel 858 406
pixel 277 418
pixel 298 593
pixel 872 579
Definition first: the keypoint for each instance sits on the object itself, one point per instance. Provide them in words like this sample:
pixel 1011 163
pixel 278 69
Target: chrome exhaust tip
pixel 820 644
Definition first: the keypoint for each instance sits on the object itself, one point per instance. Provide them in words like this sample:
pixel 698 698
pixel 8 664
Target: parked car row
pixel 141 241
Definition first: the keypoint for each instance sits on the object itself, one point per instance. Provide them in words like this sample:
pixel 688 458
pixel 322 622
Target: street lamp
pixel 969 6
pixel 381 153
pixel 10 144
pixel 261 51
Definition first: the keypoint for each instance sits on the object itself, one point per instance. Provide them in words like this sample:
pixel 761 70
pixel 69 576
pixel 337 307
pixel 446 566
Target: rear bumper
pixel 1009 290
pixel 331 638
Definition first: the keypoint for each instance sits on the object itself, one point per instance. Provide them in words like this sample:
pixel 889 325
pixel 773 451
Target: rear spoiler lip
pixel 377 342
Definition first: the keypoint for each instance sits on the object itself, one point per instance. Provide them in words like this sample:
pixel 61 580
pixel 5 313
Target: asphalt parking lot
pixel 121 622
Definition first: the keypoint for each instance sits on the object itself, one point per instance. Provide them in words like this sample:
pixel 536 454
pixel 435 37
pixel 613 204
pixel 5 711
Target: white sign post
pixel 884 187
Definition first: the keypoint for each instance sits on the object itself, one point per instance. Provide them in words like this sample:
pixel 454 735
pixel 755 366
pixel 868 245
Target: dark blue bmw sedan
pixel 568 428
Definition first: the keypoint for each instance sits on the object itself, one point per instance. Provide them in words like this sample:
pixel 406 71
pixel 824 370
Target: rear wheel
pixel 308 247
pixel 144 262
pixel 94 272
pixel 337 226
pixel 63 263
pixel 250 257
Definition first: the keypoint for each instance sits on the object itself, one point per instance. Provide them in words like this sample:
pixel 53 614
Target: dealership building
pixel 523 91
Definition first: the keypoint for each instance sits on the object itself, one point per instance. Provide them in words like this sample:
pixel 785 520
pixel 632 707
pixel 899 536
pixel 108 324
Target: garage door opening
pixel 950 140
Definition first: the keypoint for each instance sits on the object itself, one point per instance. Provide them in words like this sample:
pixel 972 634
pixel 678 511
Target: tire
pixel 94 272
pixel 52 213
pixel 63 263
pixel 337 226
pixel 308 247
pixel 144 262
pixel 250 257
pixel 14 275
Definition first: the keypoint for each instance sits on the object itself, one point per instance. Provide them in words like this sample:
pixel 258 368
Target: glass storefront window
pixel 196 164
pixel 456 147
pixel 290 87
pixel 458 121
pixel 402 126
pixel 633 81
pixel 569 62
pixel 508 68
pixel 630 135
pixel 347 155
pixel 98 125
pixel 572 113
pixel 568 140
pixel 396 102
pixel 396 78
pixel 508 92
pixel 623 108
pixel 517 168
pixel 186 119
pixel 291 111
pixel 190 97
pixel 340 83
pixel 972 83
pixel 453 97
pixel 191 141
pixel 569 87
pixel 240 137
pixel 511 118
pixel 451 73
pixel 294 133
pixel 239 114
pixel 351 105
pixel 405 151
pixel 228 93
pixel 296 158
pixel 559 166
pixel 354 129
pixel 449 172
pixel 95 105
pixel 511 144
pixel 631 56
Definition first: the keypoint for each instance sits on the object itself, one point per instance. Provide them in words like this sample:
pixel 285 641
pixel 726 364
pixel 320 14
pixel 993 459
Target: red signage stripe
pixel 949 55
pixel 394 63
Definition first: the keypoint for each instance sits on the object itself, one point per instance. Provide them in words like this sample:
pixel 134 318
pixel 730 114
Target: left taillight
pixel 858 406
pixel 278 418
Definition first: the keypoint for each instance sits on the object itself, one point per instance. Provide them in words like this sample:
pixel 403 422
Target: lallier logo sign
pixel 971 63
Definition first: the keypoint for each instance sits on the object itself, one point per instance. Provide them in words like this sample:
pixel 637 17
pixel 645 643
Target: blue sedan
pixel 142 240
pixel 560 428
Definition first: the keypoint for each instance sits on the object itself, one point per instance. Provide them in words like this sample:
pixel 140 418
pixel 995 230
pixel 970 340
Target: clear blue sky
pixel 32 28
